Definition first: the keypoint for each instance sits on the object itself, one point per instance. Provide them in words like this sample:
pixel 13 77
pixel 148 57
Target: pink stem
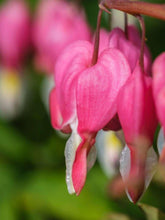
pixel 97 39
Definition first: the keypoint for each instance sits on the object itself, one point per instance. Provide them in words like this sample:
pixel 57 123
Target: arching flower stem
pixel 135 7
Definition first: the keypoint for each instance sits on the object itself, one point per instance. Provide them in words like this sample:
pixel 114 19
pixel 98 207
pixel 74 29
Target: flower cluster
pixel 114 92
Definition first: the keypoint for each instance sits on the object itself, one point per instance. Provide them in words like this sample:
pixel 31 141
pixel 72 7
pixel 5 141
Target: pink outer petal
pixel 158 70
pixel 130 47
pixel 97 90
pixel 135 38
pixel 56 117
pixel 75 59
pixel 136 108
pixel 79 170
pixel 160 103
pixel 104 39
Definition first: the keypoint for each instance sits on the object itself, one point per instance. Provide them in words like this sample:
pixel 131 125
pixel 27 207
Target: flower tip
pixel 135 189
pixel 134 195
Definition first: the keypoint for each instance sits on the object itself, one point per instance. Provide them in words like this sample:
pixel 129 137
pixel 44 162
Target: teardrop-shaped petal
pixel 80 156
pixel 160 141
pixel 137 115
pixel 150 165
pixel 97 90
pixel 136 108
pixel 70 152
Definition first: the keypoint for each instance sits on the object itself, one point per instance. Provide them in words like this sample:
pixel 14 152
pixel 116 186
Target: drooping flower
pixel 14 46
pixel 84 101
pixel 15 33
pixel 137 115
pixel 57 24
pixel 159 95
pixel 130 46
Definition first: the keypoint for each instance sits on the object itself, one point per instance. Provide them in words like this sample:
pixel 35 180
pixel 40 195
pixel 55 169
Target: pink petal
pixel 56 117
pixel 136 108
pixel 97 90
pixel 71 63
pixel 158 70
pixel 79 169
pixel 130 47
pixel 56 25
pixel 137 115
pixel 15 33
pixel 80 157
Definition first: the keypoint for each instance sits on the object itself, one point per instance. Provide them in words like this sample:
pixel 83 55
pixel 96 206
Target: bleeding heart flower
pixel 159 95
pixel 84 101
pixel 137 115
pixel 14 32
pixel 57 24
pixel 130 46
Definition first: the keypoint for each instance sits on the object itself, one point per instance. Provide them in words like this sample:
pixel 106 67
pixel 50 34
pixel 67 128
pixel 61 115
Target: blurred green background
pixel 32 169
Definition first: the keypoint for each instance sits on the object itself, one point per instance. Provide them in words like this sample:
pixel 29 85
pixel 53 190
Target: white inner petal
pixel 109 148
pixel 91 158
pixel 151 163
pixel 70 152
pixel 160 141
pixel 125 162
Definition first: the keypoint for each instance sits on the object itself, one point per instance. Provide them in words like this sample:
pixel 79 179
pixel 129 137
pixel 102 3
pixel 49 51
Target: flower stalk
pixel 142 24
pixel 136 7
pixel 97 38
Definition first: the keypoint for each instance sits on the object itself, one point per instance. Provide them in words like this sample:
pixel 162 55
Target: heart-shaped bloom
pixel 57 24
pixel 137 115
pixel 84 101
pixel 14 33
pixel 130 46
